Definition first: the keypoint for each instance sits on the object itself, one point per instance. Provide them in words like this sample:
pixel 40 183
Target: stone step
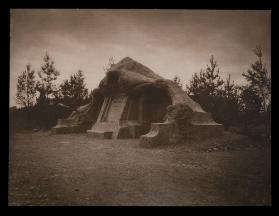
pixel 68 129
pixel 100 134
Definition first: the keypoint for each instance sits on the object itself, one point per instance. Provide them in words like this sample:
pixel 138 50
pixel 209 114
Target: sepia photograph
pixel 140 107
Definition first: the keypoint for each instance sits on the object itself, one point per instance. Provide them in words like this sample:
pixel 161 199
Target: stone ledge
pixel 68 129
pixel 100 134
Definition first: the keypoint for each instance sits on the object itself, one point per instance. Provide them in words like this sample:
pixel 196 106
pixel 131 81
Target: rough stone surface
pixel 137 103
pixel 159 134
pixel 81 119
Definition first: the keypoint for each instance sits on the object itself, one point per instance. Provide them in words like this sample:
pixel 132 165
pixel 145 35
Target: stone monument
pixel 134 102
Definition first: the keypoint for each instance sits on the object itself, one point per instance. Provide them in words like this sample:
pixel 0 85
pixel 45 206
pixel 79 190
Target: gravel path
pixel 74 169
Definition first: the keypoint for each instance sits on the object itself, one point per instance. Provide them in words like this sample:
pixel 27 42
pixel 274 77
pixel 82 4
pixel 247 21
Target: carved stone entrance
pixel 124 116
pixel 107 124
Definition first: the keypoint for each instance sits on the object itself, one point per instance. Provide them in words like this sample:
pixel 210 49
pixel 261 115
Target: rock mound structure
pixel 134 102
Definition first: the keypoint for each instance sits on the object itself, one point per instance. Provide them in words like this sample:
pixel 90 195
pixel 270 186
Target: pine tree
pixel 73 90
pixel 26 91
pixel 259 80
pixel 259 89
pixel 48 74
pixel 207 82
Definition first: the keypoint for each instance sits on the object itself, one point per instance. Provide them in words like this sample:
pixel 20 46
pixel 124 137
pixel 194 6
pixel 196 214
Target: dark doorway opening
pixel 154 102
pixel 145 106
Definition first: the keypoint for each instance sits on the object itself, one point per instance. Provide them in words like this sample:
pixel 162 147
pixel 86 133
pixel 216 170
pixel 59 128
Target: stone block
pixel 159 134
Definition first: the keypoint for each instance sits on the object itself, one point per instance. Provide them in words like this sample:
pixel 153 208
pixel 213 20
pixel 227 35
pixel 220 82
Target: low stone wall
pixel 159 134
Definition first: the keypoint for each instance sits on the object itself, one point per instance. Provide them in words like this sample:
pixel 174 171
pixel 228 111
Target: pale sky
pixel 169 42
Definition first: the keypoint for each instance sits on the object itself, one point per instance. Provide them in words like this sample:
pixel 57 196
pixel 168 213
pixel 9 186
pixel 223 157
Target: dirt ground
pixel 74 169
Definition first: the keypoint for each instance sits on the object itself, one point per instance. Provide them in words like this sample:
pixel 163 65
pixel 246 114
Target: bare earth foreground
pixel 74 169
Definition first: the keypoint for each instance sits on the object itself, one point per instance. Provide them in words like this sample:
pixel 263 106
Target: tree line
pixel 42 101
pixel 245 108
pixel 72 92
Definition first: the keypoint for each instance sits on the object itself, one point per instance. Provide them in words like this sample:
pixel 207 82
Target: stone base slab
pixel 68 129
pixel 100 134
